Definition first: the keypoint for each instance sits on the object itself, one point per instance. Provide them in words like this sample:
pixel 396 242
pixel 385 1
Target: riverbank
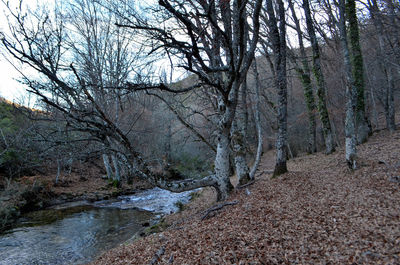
pixel 77 232
pixel 319 212
pixel 39 192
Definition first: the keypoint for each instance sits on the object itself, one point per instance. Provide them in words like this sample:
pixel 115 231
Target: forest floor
pixel 319 213
pixel 84 182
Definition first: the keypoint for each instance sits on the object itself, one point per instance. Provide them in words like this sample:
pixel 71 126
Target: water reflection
pixel 69 236
pixel 75 233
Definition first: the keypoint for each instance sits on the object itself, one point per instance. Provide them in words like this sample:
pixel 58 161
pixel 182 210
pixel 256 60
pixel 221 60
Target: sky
pixel 10 88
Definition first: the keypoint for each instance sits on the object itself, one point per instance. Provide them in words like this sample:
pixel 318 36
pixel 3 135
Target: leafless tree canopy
pixel 147 86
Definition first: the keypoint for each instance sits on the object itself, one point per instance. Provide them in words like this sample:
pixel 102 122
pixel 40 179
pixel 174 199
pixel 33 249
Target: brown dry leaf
pixel 318 213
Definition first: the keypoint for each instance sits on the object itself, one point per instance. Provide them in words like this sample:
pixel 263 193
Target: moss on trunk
pixel 356 57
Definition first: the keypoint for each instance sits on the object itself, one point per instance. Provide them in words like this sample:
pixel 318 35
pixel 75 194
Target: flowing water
pixel 77 233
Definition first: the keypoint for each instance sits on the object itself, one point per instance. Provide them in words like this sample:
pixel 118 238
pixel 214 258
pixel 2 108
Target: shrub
pixel 180 206
pixel 191 166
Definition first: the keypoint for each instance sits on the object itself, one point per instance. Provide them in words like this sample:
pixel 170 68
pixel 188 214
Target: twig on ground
pixel 245 185
pixel 395 179
pixel 217 207
pixel 157 256
pixel 383 162
pixel 264 172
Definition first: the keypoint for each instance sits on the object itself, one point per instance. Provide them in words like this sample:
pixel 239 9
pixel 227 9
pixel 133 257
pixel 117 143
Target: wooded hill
pixel 299 76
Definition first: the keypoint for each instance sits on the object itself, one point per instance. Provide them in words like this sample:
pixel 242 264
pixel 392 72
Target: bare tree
pixel 104 59
pixel 362 123
pixel 238 134
pixel 385 62
pixel 206 37
pixel 277 36
pixel 304 74
pixel 317 70
pixel 215 49
pixel 83 92
pixel 351 91
pixel 257 121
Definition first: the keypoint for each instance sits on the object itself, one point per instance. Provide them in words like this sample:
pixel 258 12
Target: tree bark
pixel 58 170
pixel 108 167
pixel 304 74
pixel 239 138
pixel 389 103
pixel 390 116
pixel 168 140
pixel 117 175
pixel 351 90
pixel 278 40
pixel 257 122
pixel 317 69
pixel 222 165
pixel 385 65
pixel 222 161
pixel 363 128
pixel 394 19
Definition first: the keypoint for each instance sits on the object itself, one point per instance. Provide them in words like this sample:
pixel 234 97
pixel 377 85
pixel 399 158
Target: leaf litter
pixel 319 213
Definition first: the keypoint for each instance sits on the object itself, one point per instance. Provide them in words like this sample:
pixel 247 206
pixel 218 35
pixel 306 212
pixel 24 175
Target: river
pixel 76 233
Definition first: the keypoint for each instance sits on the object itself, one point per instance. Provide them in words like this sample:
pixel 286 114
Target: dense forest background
pixel 195 90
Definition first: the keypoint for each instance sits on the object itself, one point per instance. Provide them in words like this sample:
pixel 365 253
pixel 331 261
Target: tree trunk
pixel 222 165
pixel 243 108
pixel 390 120
pixel 117 175
pixel 168 140
pixel 278 40
pixel 351 90
pixel 389 102
pixel 317 69
pixel 281 155
pixel 393 16
pixel 310 103
pixel 108 167
pixel 304 74
pixel 385 66
pixel 258 123
pixel 239 138
pixel 58 170
pixel 373 102
pixel 363 130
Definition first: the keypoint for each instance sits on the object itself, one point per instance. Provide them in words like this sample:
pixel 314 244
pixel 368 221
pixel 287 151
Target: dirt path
pixel 267 163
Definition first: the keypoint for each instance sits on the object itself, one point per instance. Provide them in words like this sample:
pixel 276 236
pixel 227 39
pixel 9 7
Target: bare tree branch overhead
pixel 153 111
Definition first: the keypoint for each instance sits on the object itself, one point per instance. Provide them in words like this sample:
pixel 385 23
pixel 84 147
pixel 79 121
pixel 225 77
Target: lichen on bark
pixel 362 128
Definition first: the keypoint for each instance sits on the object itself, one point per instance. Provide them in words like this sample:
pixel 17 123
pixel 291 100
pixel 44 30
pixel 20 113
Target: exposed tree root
pixel 217 207
pixel 245 185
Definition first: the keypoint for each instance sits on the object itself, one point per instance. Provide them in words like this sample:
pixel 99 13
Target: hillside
pixel 319 213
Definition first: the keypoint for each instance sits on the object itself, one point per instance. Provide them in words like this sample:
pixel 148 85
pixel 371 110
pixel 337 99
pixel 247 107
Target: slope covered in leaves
pixel 319 213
